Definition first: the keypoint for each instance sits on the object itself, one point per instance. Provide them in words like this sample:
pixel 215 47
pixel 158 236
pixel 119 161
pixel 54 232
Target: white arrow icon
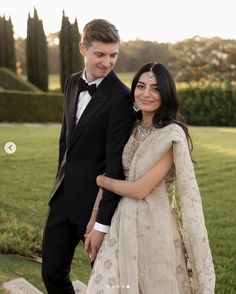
pixel 10 147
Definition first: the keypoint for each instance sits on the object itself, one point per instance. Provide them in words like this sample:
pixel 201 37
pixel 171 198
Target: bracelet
pixel 95 208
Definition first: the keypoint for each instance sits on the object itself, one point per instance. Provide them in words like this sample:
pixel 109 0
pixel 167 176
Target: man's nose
pixel 106 62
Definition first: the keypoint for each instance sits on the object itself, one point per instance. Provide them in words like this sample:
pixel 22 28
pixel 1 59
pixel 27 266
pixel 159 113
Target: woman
pixel 143 251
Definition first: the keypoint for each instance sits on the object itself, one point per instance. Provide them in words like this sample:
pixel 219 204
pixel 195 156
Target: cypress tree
pixel 70 58
pixel 2 41
pixel 7 44
pixel 31 50
pixel 36 52
pixel 10 46
pixel 64 42
pixel 76 58
pixel 42 57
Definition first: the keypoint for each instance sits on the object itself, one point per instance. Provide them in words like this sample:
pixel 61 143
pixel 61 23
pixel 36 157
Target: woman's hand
pixel 139 189
pixel 103 181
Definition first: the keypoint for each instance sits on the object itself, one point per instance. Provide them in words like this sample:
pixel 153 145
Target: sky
pixel 154 20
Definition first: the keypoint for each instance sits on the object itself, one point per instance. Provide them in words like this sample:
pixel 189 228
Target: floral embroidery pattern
pixel 144 246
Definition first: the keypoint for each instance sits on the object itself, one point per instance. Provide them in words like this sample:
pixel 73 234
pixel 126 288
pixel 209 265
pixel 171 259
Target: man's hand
pixel 93 242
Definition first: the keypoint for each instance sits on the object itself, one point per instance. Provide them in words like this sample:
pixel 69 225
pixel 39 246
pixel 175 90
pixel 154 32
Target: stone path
pixel 21 286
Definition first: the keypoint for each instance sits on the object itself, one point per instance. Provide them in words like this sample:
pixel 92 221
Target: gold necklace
pixel 144 132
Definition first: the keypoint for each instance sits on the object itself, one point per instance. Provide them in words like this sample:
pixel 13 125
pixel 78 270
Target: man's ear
pixel 82 48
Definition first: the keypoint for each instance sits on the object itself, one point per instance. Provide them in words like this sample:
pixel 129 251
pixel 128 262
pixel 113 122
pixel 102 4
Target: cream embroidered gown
pixel 142 252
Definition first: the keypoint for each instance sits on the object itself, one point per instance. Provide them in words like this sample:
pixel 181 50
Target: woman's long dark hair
pixel 169 111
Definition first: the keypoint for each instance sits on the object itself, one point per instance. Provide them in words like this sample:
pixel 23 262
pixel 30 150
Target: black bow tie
pixel 83 86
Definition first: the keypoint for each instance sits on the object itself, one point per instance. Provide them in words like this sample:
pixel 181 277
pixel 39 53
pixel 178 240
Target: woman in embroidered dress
pixel 144 250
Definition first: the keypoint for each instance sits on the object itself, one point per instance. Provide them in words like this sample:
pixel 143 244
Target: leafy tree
pixel 205 61
pixel 135 53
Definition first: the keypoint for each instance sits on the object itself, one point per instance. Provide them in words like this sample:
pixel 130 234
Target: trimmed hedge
pixel 30 107
pixel 201 107
pixel 11 81
pixel 209 107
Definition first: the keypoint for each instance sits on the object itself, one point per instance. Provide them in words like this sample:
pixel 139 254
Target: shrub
pixel 30 107
pixel 209 106
pixel 11 81
pixel 18 238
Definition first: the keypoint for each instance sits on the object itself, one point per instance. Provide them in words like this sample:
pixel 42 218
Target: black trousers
pixel 59 242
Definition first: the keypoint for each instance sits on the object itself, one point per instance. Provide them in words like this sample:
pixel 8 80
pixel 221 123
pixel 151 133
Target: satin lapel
pixel 72 108
pixel 94 105
pixel 102 94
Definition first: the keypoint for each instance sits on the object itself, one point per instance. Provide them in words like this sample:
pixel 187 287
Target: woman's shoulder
pixel 173 128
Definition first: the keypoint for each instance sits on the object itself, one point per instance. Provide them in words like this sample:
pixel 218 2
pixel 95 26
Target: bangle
pixel 95 208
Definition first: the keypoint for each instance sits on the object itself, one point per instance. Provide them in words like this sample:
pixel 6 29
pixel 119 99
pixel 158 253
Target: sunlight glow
pixel 161 21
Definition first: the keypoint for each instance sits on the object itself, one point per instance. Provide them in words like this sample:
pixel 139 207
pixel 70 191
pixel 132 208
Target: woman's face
pixel 146 93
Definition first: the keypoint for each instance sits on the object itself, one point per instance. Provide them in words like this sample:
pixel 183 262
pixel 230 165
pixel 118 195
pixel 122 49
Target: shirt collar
pixel 97 81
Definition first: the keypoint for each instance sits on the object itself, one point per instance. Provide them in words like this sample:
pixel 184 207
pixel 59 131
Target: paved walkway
pixel 21 286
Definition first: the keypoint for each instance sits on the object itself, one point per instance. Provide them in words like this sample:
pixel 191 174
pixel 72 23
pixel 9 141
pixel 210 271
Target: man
pixel 97 122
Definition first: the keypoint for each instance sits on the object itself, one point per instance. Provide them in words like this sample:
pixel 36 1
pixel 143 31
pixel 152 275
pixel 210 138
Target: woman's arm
pixel 142 187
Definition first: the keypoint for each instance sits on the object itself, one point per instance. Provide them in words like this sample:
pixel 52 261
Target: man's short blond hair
pixel 100 30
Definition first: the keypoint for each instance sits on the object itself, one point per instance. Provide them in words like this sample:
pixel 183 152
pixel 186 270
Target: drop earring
pixel 135 107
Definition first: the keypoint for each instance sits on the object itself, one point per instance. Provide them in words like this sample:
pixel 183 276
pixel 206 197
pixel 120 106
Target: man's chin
pixel 104 72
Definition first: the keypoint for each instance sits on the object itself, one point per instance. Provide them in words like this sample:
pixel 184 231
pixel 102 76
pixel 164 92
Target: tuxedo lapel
pixel 72 113
pixel 72 108
pixel 92 108
pixel 94 105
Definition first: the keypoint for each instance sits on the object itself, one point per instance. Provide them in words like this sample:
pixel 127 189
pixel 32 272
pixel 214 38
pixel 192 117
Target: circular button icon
pixel 10 147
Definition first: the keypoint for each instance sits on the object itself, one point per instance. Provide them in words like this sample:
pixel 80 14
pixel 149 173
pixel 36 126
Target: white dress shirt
pixel 84 98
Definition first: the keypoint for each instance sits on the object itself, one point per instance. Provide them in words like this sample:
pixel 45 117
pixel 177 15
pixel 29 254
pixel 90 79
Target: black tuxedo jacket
pixel 92 147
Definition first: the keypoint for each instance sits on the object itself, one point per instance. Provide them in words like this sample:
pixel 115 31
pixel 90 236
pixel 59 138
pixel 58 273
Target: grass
pixel 126 77
pixel 27 177
pixel 216 156
pixel 54 80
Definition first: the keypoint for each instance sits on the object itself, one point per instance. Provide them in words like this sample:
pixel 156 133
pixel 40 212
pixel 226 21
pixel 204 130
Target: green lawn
pixel 54 80
pixel 27 177
pixel 126 77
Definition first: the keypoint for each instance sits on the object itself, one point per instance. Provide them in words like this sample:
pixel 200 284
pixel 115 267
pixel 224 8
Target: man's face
pixel 99 59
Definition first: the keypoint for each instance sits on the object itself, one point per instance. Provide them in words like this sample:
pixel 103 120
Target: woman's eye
pixel 140 86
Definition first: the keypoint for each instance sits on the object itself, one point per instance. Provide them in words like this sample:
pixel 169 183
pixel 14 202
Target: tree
pixel 70 58
pixel 36 52
pixel 76 58
pixel 7 44
pixel 133 54
pixel 205 61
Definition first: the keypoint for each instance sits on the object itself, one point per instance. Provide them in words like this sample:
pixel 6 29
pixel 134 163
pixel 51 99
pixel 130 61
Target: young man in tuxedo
pixel 97 121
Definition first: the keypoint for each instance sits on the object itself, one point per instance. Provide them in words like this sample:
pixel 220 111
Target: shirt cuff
pixel 101 228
